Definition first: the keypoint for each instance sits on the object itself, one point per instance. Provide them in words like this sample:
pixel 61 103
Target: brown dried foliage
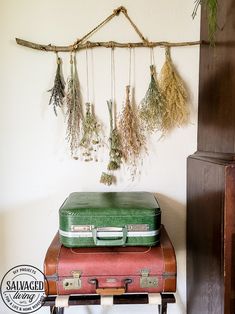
pixel 132 139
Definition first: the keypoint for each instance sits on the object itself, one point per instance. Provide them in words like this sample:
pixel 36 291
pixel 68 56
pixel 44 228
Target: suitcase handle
pixel 109 242
pixel 110 291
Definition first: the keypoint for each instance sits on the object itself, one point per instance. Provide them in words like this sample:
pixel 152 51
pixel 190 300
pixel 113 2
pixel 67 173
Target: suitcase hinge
pixel 73 283
pixel 147 281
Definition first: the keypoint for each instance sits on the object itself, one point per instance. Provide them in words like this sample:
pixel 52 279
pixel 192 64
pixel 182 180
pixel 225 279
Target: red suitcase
pixel 110 270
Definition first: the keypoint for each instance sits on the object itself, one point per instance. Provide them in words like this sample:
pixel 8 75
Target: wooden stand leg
pixel 162 309
pixel 56 310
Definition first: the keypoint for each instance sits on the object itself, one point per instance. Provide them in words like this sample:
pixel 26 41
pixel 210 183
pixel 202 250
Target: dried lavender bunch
pixel 58 89
pixel 132 139
pixel 152 106
pixel 74 109
pixel 91 140
pixel 177 109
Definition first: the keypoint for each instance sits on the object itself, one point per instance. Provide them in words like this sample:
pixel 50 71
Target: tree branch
pixel 108 44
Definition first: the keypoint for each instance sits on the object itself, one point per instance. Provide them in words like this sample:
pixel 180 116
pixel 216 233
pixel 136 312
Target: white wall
pixel 36 170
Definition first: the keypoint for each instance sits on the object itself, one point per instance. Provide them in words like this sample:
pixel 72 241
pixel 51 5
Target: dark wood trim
pixel 118 299
pixel 226 157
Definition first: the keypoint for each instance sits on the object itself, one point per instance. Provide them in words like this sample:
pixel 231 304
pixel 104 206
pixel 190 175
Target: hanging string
pixel 92 77
pixel 152 59
pixel 112 74
pixel 130 66
pixel 87 77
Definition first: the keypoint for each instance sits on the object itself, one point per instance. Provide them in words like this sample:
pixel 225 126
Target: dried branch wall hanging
pixel 126 140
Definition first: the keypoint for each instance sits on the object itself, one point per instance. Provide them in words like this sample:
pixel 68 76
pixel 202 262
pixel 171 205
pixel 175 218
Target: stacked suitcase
pixel 110 244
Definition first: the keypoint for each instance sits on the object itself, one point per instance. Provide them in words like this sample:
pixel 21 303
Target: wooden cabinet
pixel 211 236
pixel 211 176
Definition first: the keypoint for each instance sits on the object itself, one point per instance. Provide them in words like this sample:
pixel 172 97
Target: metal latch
pixel 73 283
pixel 147 281
pixel 81 228
pixel 138 227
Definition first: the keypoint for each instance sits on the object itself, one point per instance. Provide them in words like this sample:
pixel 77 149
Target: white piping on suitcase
pixel 110 234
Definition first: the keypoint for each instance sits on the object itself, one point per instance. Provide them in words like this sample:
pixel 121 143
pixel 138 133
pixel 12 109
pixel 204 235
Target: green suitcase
pixel 90 219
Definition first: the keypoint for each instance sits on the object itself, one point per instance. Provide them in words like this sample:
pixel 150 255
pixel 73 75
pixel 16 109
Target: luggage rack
pixel 95 299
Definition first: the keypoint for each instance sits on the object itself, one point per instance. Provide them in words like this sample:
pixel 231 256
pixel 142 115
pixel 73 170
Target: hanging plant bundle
pixel 91 140
pixel 176 112
pixel 211 7
pixel 58 90
pixel 152 106
pixel 115 153
pixel 132 140
pixel 107 179
pixel 74 109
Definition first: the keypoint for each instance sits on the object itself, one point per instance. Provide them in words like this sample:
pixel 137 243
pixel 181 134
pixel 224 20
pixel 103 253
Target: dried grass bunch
pixel 152 107
pixel 132 139
pixel 58 89
pixel 74 109
pixel 115 152
pixel 176 111
pixel 91 140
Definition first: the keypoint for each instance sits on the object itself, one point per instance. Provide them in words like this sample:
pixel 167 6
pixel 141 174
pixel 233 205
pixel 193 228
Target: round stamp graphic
pixel 23 289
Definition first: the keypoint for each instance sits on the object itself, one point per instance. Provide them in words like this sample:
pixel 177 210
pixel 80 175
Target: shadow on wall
pixel 26 231
pixel 174 220
pixel 3 234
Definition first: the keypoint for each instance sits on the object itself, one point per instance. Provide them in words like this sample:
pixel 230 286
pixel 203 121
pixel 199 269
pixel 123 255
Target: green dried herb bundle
pixel 212 8
pixel 58 90
pixel 152 106
pixel 132 140
pixel 115 152
pixel 177 109
pixel 74 109
pixel 107 179
pixel 91 140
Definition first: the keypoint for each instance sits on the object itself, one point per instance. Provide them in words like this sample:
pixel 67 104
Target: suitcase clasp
pixel 73 283
pixel 147 281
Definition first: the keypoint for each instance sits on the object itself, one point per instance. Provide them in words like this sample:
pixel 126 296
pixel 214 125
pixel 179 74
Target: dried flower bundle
pixel 115 153
pixel 58 90
pixel 152 106
pixel 74 109
pixel 177 110
pixel 132 140
pixel 107 179
pixel 91 140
